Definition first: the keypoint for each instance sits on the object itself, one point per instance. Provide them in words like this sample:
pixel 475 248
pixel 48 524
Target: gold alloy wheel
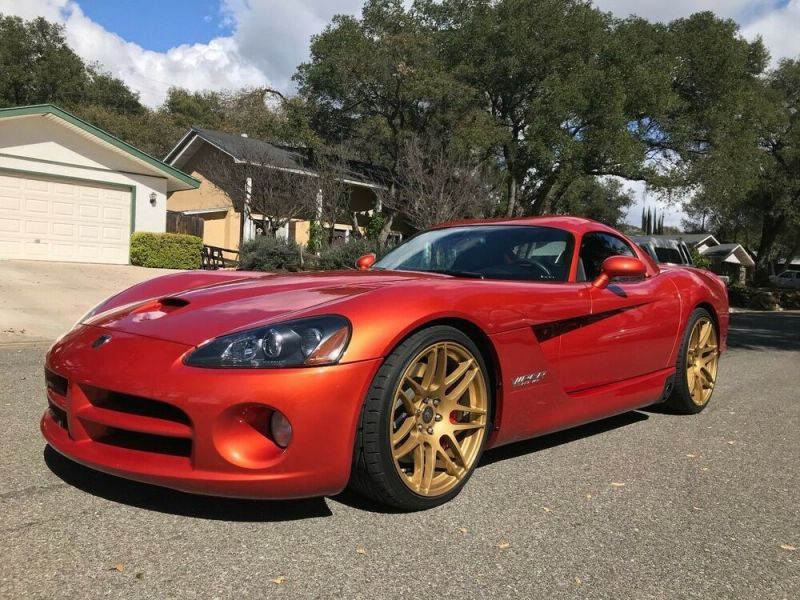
pixel 702 359
pixel 439 418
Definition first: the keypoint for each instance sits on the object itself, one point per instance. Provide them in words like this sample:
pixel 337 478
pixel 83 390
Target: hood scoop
pixel 173 302
pixel 156 309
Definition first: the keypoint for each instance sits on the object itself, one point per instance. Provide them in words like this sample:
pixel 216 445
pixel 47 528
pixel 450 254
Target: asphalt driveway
pixel 644 505
pixel 39 300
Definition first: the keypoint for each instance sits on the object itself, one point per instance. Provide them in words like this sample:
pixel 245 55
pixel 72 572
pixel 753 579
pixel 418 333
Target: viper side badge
pixel 528 379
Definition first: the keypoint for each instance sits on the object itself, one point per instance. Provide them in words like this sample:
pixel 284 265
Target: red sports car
pixel 394 378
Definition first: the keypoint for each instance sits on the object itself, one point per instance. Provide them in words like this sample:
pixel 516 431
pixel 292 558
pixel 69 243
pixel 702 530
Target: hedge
pixel 763 298
pixel 344 256
pixel 166 250
pixel 267 253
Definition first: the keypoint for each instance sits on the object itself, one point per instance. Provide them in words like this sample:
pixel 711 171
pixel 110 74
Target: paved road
pixel 645 505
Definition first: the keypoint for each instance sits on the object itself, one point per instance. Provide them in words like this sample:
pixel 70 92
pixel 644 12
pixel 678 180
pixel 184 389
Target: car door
pixel 633 324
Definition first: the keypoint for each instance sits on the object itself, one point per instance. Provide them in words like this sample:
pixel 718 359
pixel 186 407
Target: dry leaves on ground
pixel 788 547
pixel 617 484
pixel 503 545
pixel 278 580
pixel 361 550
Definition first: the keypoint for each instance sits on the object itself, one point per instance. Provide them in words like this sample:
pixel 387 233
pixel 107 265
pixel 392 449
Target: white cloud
pixel 780 30
pixel 219 64
pixel 275 35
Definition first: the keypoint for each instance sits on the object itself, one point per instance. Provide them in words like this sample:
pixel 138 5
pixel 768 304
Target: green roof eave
pixel 43 109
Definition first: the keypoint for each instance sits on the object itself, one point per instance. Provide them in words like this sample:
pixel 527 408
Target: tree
pixel 433 185
pixel 376 81
pixel 265 186
pixel 547 75
pixel 36 65
pixel 603 200
pixel 103 89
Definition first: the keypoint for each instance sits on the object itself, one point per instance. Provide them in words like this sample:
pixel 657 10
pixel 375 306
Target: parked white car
pixel 787 279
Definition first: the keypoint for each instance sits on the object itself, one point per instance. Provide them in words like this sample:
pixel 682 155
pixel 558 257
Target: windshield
pixel 487 251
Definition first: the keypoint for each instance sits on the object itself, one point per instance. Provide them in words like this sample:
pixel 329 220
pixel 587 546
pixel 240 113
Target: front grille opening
pixel 145 442
pixel 54 382
pixel 136 405
pixel 59 415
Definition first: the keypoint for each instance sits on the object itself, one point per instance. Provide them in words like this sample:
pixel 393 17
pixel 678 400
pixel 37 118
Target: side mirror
pixel 365 262
pixel 619 266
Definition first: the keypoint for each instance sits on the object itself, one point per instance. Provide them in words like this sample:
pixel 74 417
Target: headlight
pixel 303 343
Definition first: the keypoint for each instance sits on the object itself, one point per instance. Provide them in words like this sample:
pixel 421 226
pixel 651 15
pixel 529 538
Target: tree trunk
pixel 770 228
pixel 386 229
pixel 512 195
pixel 356 230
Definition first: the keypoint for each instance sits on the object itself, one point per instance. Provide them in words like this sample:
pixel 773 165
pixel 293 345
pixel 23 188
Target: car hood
pixel 195 315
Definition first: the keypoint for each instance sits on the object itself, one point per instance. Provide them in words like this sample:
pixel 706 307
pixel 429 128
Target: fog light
pixel 281 429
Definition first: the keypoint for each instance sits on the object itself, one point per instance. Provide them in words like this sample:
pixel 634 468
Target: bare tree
pixel 334 204
pixel 435 184
pixel 268 185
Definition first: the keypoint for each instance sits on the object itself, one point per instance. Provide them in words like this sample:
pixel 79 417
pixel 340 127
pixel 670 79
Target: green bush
pixel 344 256
pixel 268 253
pixel 166 250
pixel 789 299
pixel 739 295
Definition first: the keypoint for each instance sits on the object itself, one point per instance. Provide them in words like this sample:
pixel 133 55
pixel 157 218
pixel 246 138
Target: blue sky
pixel 160 25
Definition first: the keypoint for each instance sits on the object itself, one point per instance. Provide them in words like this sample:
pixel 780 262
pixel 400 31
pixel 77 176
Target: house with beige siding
pixel 227 221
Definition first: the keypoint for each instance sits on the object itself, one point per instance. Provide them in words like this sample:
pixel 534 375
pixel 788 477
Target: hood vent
pixel 173 302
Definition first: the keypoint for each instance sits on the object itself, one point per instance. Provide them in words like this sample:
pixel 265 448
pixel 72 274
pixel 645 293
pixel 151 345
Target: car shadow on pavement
pixel 764 331
pixel 160 499
pixel 561 437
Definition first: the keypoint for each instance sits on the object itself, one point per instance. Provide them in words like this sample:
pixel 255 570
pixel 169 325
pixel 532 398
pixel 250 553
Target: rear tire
pixel 425 421
pixel 696 369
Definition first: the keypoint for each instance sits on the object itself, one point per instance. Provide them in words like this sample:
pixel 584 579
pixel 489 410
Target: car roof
pixel 573 224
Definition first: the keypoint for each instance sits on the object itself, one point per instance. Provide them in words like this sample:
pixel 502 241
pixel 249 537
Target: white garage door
pixel 45 219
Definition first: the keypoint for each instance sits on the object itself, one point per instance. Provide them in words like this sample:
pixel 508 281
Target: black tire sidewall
pixel 403 496
pixel 681 398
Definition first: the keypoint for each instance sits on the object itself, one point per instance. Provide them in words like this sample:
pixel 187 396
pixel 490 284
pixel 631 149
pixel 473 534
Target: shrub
pixel 344 256
pixel 268 253
pixel 762 300
pixel 789 299
pixel 739 295
pixel 166 250
pixel 700 261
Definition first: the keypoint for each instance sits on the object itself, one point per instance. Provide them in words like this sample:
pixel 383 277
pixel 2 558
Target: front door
pixel 632 327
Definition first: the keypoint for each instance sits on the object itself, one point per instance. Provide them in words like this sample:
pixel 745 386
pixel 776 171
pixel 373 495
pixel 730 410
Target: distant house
pixel 224 223
pixel 70 191
pixel 731 260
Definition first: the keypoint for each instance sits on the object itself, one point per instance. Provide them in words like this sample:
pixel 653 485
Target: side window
pixel 595 248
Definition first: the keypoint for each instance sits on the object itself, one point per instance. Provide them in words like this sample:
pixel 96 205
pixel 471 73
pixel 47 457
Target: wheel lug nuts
pixel 438 417
pixel 436 402
pixel 419 427
pixel 419 411
pixel 430 429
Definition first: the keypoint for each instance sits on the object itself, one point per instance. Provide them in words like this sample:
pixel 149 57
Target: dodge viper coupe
pixel 393 378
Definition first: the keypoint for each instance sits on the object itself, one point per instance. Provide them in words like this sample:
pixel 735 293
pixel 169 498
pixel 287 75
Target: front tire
pixel 425 421
pixel 696 369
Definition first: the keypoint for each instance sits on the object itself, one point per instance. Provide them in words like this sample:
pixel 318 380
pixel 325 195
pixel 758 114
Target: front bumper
pixel 131 408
